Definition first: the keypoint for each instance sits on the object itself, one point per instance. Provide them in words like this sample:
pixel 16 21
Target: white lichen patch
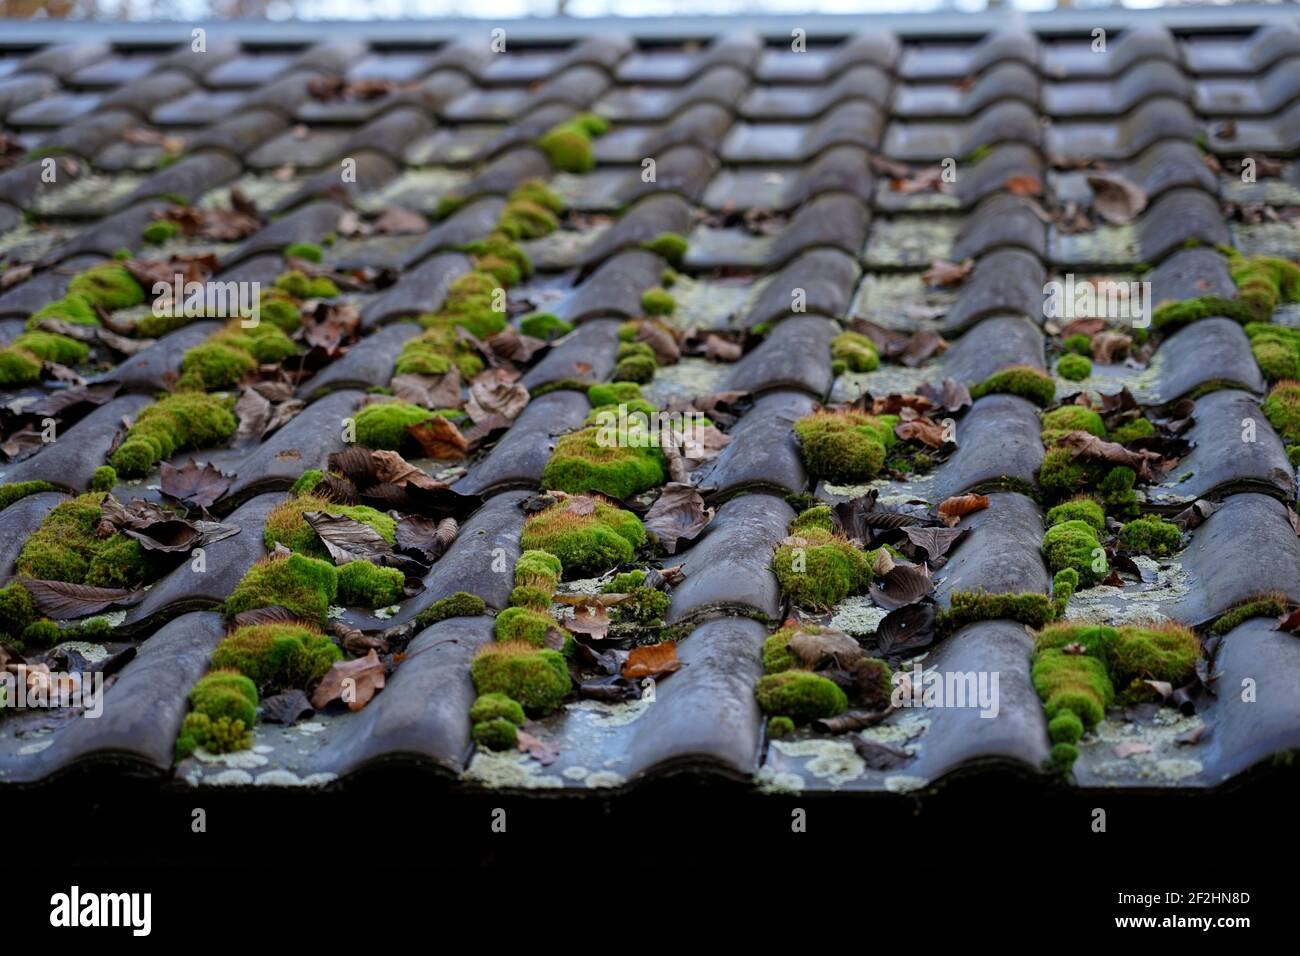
pixel 581 586
pixel 899 732
pixel 1135 602
pixel 834 761
pixel 901 301
pixel 1150 749
pixel 415 189
pixel 857 616
pixel 242 759
pixel 604 714
pixel 911 241
pixel 687 379
pixel 94 653
pixel 35 747
pixel 286 778
pixel 707 304
pixel 886 380
pixel 576 773
pixel 509 769
pixel 778 781
pixel 384 613
pixel 227 778
pixel 309 727
pixel 604 779
pixel 905 783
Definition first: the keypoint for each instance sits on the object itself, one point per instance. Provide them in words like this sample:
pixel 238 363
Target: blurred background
pixel 506 9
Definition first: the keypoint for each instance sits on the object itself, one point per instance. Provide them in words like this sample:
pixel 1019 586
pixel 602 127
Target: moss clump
pixel 613 393
pixel 818 517
pixel 110 287
pixel 777 656
pixel 104 478
pixel 17 610
pixel 1073 367
pixel 586 544
pixel 304 585
pixel 502 259
pixel 216 364
pixel 844 447
pixel 817 569
pixel 362 584
pixel 277 656
pixel 624 583
pixel 160 231
pixel 1074 544
pixel 644 606
pixel 800 695
pixel 1132 431
pixel 1073 683
pixel 778 727
pixel 522 624
pixel 219 736
pixel 304 250
pixel 537 191
pixel 265 342
pixel 385 425
pixel 616 462
pixel 17 490
pixel 225 693
pixel 496 734
pixel 496 707
pixel 657 302
pixel 854 352
pixel 526 219
pixel 438 350
pixel 537 679
pixel 1078 345
pixel 538 569
pixel 1059 422
pixel 1282 409
pixel 1061 474
pixel 307 482
pixel 670 245
pixel 1082 508
pixel 66 547
pixel 53 347
pixel 544 325
pixel 1117 494
pixel 180 422
pixel 41 633
pixel 18 368
pixel 1120 658
pixel 1276 349
pixel 1263 282
pixel 286 525
pixel 460 604
pixel 280 312
pixel 636 368
pixel 74 309
pixel 535 599
pixel 302 286
pixel 1065 727
pixel 1268 605
pixel 968 607
pixel 1150 535
pixel 1064 583
pixel 568 144
pixel 1023 380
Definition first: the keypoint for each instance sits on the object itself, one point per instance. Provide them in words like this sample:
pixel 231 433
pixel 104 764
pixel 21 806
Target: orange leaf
pixel 1026 184
pixel 439 438
pixel 651 660
pixel 353 682
pixel 956 508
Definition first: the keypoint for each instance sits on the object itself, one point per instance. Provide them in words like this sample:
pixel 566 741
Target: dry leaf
pixel 1116 199
pixel 439 438
pixel 957 507
pixel 651 660
pixel 353 682
pixel 942 272
pixel 1024 184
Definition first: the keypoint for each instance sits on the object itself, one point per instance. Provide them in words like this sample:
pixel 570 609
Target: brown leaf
pixel 428 391
pixel 1130 748
pixel 677 515
pixel 347 539
pixel 942 272
pixel 391 468
pixel 254 413
pixel 495 392
pixel 439 439
pixel 936 542
pixel 540 750
pixel 1024 184
pixel 1092 448
pixel 717 348
pixel 425 535
pixel 590 617
pixel 927 432
pixel 63 601
pixel 1116 199
pixel 701 443
pixel 651 660
pixel 665 347
pixel 195 485
pixel 274 614
pixel 951 395
pixel 353 682
pixel 902 585
pixel 399 221
pixel 286 707
pixel 1107 346
pixel 959 506
pixel 826 648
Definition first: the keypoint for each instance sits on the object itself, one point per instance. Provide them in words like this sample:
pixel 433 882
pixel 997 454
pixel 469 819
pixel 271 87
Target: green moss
pixel 1059 422
pixel 17 490
pixel 304 585
pixel 301 286
pixel 800 695
pixel 537 191
pixel 460 604
pixel 818 517
pixel 277 656
pixel 1073 367
pixel 1022 380
pixel 522 624
pixel 1268 605
pixel 1078 345
pixel 1132 431
pixel 672 246
pixel 73 309
pixel 844 447
pixel 1061 474
pixel 777 656
pixel 817 569
pixel 535 599
pixel 657 302
pixel 586 544
pixel 17 610
pixel 856 351
pixel 286 525
pixel 613 393
pixel 225 693
pixel 544 325
pixel 500 258
pixel 1167 653
pixel 217 364
pixel 537 679
pixel 1065 727
pixel 53 347
pixel 624 583
pixel 1282 409
pixel 110 287
pixel 66 547
pixel 605 459
pixel 104 478
pixel 645 606
pixel 437 350
pixel 538 569
pixel 384 425
pixel 778 727
pixel 568 144
pixel 41 633
pixel 265 342
pixel 219 736
pixel 304 250
pixel 496 707
pixel 1117 494
pixel 362 584
pixel 1090 662
pixel 160 231
pixel 181 421
pixel 1083 508
pixel 307 482
pixel 18 368
pixel 496 734
pixel 1074 544
pixel 1150 535
pixel 636 368
pixel 1064 583
pixel 280 312
pixel 1072 683
pixel 527 219
pixel 968 607
pixel 1263 282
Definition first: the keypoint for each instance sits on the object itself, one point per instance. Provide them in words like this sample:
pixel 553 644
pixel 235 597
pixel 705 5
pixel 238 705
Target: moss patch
pixel 180 422
pixel 304 585
pixel 537 679
pixel 568 144
pixel 1022 380
pixel 616 462
pixel 817 569
pixel 67 548
pixel 586 544
pixel 844 447
pixel 277 656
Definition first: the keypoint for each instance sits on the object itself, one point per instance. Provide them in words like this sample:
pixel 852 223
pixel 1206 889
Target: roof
pixel 811 177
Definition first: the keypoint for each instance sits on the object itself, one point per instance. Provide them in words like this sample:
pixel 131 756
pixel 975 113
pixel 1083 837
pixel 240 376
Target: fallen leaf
pixel 495 392
pixel 879 754
pixel 347 539
pixel 428 391
pixel 353 682
pixel 825 648
pixel 286 708
pixel 589 617
pixel 677 515
pixel 1024 184
pixel 959 506
pixel 850 721
pixel 1116 199
pixel 439 438
pixel 905 631
pixel 194 485
pixel 936 542
pixel 390 467
pixel 540 750
pixel 1130 748
pixel 399 221
pixel 927 432
pixel 651 660
pixel 63 601
pixel 901 585
pixel 1107 346
pixel 425 535
pixel 1088 446
pixel 944 273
